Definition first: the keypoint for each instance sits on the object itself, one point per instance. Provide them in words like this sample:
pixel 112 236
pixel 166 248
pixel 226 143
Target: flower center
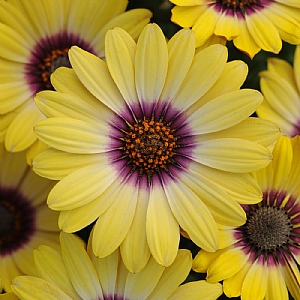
pixel 149 146
pixel 237 3
pixel 55 59
pixel 47 55
pixel 268 227
pixel 17 221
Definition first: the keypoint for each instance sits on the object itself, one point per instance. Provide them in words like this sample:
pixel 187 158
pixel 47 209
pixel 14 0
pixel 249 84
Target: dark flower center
pixel 240 7
pixel 55 59
pixel 149 146
pixel 17 221
pixel 268 227
pixel 47 55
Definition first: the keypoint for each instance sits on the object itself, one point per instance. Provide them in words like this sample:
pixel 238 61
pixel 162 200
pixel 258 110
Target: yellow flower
pixel 280 85
pixel 78 274
pixel 150 141
pixel 35 39
pixel 251 24
pixel 25 219
pixel 259 259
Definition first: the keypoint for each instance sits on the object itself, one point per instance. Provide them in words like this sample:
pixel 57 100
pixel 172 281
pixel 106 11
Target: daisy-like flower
pixel 133 145
pixel 259 259
pixel 251 24
pixel 26 221
pixel 35 39
pixel 78 274
pixel 280 85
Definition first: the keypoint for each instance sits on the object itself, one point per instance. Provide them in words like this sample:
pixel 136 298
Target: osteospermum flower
pixel 259 259
pixel 280 85
pixel 77 274
pixel 35 39
pixel 251 24
pixel 137 150
pixel 25 219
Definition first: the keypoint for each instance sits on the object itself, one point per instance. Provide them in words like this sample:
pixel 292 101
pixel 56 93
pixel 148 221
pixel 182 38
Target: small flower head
pixel 259 259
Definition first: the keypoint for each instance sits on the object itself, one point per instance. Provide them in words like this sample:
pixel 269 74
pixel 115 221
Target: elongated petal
pixel 134 249
pixel 71 192
pixel 245 189
pixel 192 215
pixel 255 283
pixel 50 267
pixel 263 32
pixel 192 290
pixel 94 74
pixel 227 26
pixel 114 222
pixel 34 288
pixel 258 130
pixel 79 267
pixel 225 111
pixel 162 228
pixel 173 275
pixel 204 259
pixel 132 21
pixel 120 53
pixel 73 135
pixel 181 49
pixel 139 286
pixel 233 155
pixel 56 165
pixel 210 61
pixel 276 284
pixel 55 104
pixel 19 135
pixel 186 16
pixel 226 265
pixel 151 64
pixel 224 210
pixel 205 25
pixel 282 162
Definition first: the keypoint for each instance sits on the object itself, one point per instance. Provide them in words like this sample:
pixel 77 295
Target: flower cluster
pixel 125 148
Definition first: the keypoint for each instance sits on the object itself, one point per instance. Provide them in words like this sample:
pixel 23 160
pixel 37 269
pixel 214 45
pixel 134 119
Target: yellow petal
pixel 114 222
pixel 282 161
pixel 80 269
pixel 192 215
pixel 263 32
pixel 225 111
pixel 73 135
pixel 206 68
pixel 140 285
pixel 134 249
pixel 151 64
pixel 20 135
pixel 119 53
pixel 50 267
pixel 56 165
pixel 132 21
pixel 186 16
pixel 255 283
pixel 198 290
pixel 233 155
pixel 173 276
pixel 205 25
pixel 226 265
pixel 162 228
pixel 181 49
pixel 227 26
pixel 94 74
pixel 71 192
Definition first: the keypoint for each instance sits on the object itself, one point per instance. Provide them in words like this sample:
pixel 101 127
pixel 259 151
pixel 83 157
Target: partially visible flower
pixel 78 274
pixel 280 85
pixel 35 39
pixel 157 132
pixel 251 24
pixel 260 260
pixel 25 219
